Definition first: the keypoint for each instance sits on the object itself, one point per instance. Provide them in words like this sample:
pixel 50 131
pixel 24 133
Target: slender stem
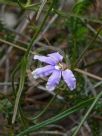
pixel 24 63
pixel 87 113
pixel 88 74
pixel 63 14
pixel 85 49
pixel 40 28
pixel 44 110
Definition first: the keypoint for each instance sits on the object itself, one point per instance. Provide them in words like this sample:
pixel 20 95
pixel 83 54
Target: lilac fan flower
pixel 56 68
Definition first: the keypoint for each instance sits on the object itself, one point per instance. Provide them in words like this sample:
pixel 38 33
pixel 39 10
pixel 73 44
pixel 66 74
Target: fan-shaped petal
pixel 56 57
pixel 45 59
pixel 53 80
pixel 43 72
pixel 69 78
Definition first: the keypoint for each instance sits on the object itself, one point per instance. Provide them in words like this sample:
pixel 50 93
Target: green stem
pixel 87 113
pixel 25 59
pixel 66 15
pixel 40 28
pixel 44 110
pixel 84 51
pixel 56 118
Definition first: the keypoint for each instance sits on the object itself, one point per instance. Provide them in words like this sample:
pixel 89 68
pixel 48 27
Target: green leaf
pixel 21 85
pixel 9 2
pixel 56 118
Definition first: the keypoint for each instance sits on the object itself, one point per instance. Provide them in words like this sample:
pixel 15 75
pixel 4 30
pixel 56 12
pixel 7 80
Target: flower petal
pixel 56 56
pixel 69 79
pixel 53 80
pixel 45 59
pixel 43 72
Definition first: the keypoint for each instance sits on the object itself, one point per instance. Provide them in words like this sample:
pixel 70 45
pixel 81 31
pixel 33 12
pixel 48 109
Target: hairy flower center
pixel 61 66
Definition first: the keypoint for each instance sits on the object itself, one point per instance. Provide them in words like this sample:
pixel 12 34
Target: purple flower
pixel 56 68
